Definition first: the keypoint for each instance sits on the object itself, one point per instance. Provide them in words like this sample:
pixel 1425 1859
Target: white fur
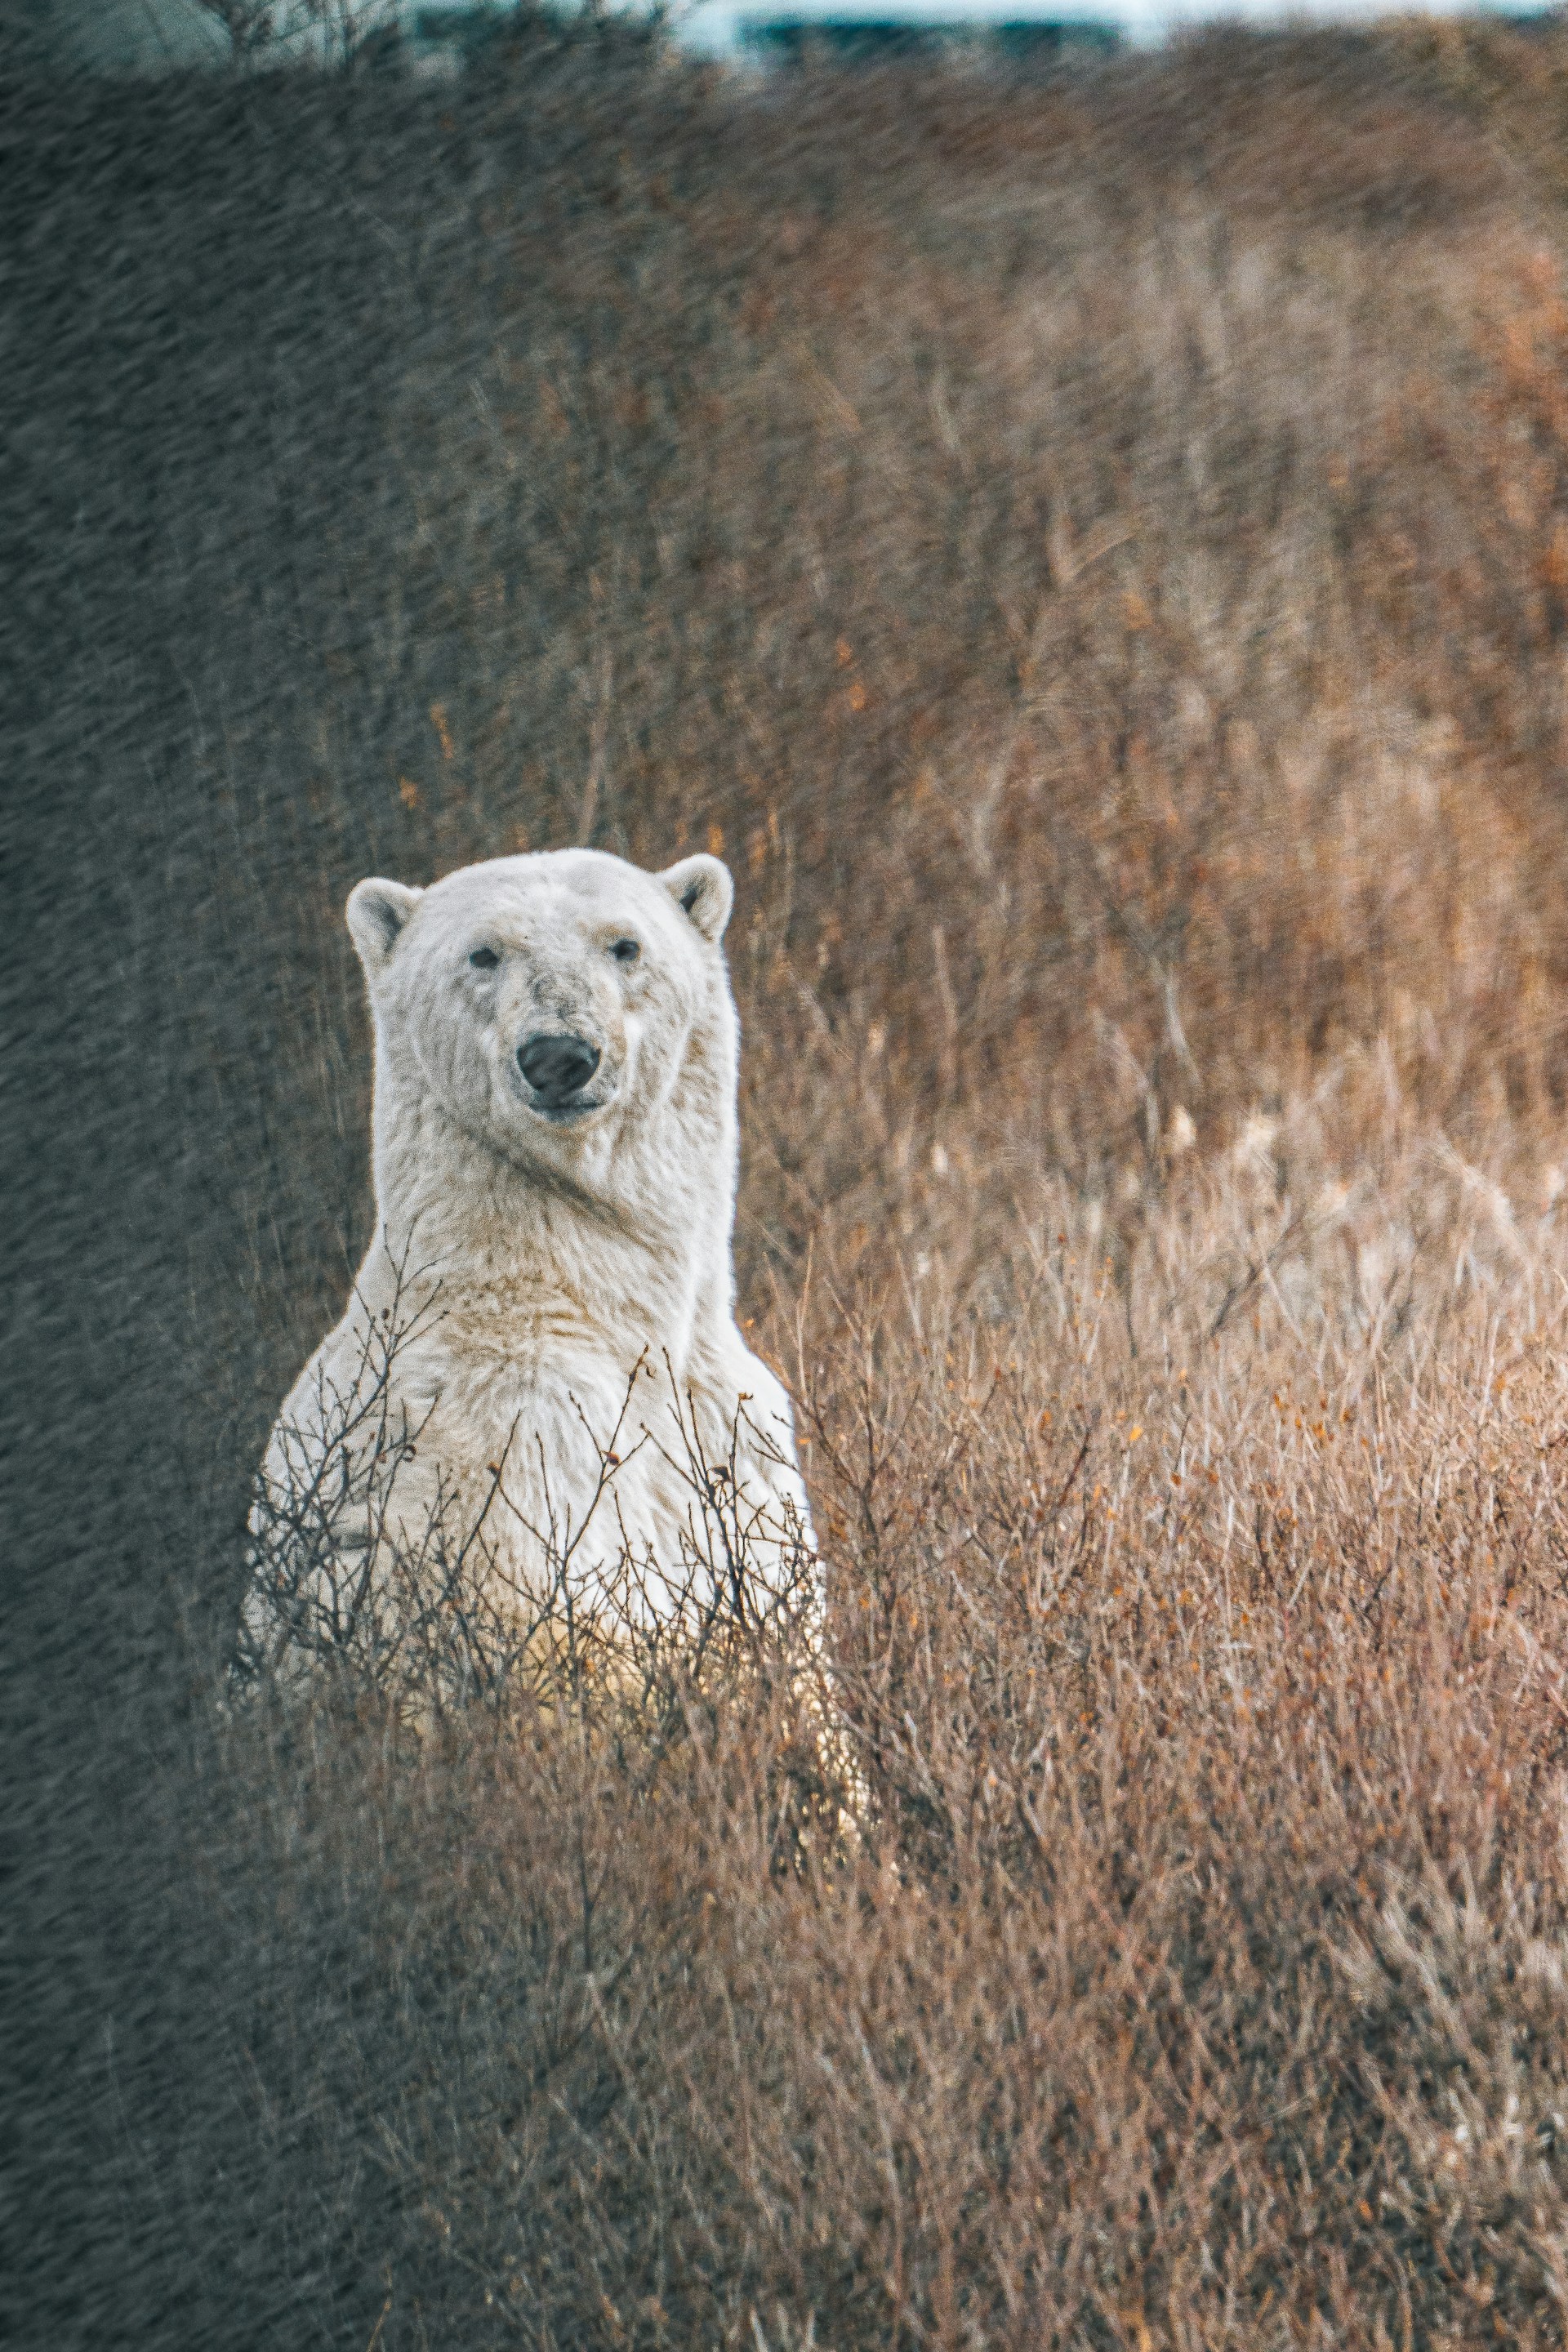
pixel 541 1260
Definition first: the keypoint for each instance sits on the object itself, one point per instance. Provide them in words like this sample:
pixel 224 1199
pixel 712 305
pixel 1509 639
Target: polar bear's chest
pixel 536 1449
pixel 559 1447
pixel 541 1376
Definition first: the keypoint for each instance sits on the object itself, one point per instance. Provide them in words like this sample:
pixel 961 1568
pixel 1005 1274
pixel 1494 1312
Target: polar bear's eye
pixel 626 950
pixel 484 959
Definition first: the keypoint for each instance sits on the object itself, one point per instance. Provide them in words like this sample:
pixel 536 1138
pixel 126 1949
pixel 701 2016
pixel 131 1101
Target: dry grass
pixel 1095 558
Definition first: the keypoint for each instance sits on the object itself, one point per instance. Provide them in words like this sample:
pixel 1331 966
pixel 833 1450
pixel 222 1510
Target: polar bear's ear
pixel 701 888
pixel 377 912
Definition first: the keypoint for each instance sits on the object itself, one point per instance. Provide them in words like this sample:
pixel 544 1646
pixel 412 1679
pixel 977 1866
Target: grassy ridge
pixel 1095 559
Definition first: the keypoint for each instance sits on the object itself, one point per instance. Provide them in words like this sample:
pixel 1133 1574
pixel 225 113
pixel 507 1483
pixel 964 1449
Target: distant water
pixel 713 26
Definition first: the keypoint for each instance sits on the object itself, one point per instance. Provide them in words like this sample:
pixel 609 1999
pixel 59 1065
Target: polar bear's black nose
pixel 556 1065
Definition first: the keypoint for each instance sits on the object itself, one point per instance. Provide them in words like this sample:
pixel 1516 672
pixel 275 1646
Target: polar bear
pixel 538 1389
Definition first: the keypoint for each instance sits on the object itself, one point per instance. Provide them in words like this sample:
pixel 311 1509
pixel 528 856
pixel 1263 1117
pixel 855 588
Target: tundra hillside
pixel 1093 557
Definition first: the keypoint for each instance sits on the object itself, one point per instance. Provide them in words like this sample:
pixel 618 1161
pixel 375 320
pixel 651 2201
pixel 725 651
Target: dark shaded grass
pixel 1093 559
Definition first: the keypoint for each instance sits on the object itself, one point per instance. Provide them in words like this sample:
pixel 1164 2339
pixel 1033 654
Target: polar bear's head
pixel 544 999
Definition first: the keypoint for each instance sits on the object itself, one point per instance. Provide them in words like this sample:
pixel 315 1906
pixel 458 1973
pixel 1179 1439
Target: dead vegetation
pixel 1094 558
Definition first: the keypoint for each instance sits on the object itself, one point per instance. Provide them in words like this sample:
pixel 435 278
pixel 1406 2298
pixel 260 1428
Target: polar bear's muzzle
pixel 556 1065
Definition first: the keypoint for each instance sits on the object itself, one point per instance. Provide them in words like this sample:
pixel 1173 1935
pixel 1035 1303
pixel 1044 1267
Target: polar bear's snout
pixel 556 1065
